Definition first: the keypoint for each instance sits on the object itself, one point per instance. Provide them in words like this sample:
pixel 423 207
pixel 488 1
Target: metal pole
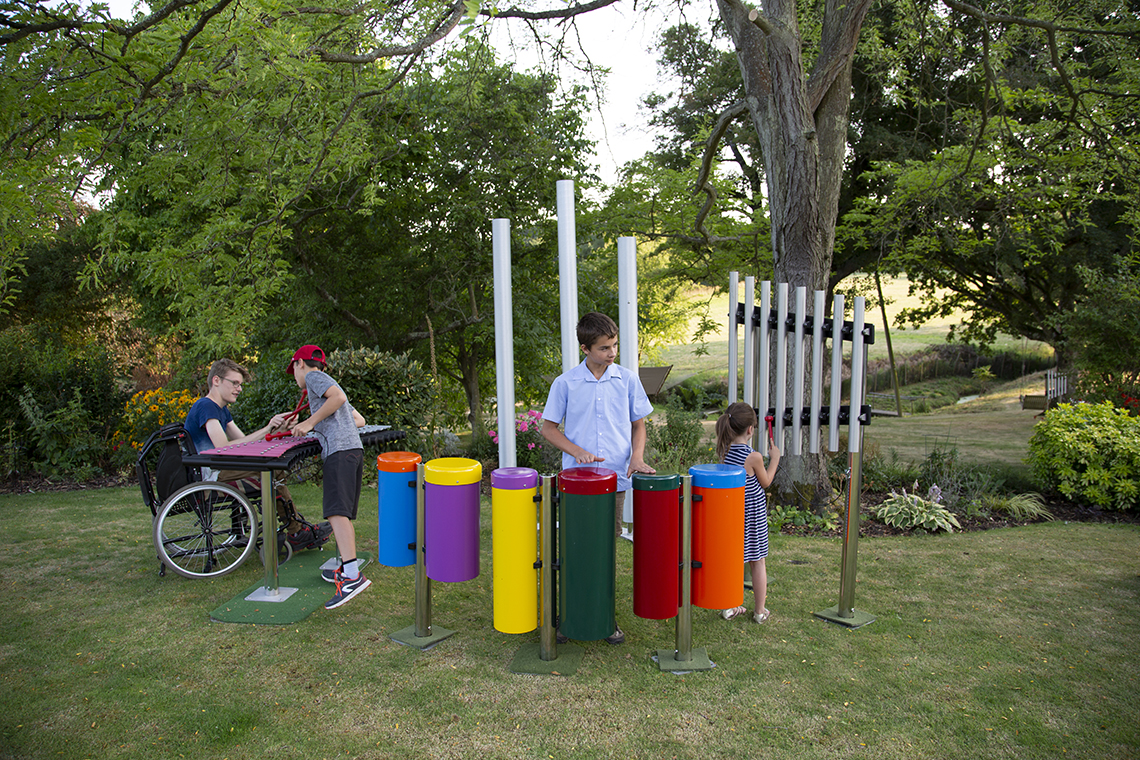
pixel 855 465
pixel 548 639
pixel 684 652
pixel 423 583
pixel 269 533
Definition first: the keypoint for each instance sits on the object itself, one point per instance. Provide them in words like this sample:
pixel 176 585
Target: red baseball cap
pixel 306 353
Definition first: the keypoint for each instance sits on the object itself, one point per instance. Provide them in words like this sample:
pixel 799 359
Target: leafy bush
pixel 388 389
pixel 1022 506
pixel 697 395
pixel 1088 452
pixel 59 376
pixel 145 412
pixel 780 515
pixel 907 511
pixel 883 473
pixel 67 441
pixel 960 485
pixel 676 444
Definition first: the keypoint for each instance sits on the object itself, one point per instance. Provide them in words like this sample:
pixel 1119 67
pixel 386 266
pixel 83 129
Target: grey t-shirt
pixel 338 432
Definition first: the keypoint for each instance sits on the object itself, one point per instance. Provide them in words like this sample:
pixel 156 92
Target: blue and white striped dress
pixel 755 507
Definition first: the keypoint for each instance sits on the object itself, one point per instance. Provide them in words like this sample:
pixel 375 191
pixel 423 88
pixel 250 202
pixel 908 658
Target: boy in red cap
pixel 334 422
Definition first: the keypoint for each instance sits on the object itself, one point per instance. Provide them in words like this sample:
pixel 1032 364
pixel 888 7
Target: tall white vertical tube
pixel 764 363
pixel 627 304
pixel 504 340
pixel 781 360
pixel 733 299
pixel 568 273
pixel 817 369
pixel 836 372
pixel 857 369
pixel 627 323
pixel 798 372
pixel 749 338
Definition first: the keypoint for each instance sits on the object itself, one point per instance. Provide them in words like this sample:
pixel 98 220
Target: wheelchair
pixel 201 528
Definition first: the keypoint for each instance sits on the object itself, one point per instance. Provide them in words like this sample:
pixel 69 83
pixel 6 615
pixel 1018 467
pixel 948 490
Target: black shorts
pixel 343 474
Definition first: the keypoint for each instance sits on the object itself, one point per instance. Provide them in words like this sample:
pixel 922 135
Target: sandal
pixel 761 617
pixel 732 613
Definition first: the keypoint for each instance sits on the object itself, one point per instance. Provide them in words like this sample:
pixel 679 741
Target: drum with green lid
pixel 656 550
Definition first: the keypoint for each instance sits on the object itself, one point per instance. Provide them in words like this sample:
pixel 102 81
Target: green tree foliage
pixel 452 148
pixel 1103 336
pixel 1035 175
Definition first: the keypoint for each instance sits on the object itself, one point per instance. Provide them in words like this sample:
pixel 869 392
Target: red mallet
pixel 302 403
pixel 770 419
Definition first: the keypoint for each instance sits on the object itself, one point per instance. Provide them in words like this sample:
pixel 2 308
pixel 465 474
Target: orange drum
pixel 718 536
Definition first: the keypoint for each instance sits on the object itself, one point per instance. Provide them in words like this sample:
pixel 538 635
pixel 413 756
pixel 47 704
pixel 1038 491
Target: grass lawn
pixel 1017 643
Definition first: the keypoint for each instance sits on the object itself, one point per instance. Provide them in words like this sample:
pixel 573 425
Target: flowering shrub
pixel 531 449
pixel 145 412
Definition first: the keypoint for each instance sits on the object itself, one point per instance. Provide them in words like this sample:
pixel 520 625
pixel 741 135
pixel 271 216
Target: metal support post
pixel 684 658
pixel 421 635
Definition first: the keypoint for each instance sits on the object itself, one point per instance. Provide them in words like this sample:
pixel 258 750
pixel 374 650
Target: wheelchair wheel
pixel 284 551
pixel 205 530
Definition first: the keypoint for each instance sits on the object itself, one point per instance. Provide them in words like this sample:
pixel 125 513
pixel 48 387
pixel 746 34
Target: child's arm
pixel 756 463
pixel 334 399
pixel 358 418
pixel 637 458
pixel 556 438
pixel 232 434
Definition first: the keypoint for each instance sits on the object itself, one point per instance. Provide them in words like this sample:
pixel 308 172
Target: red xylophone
pixel 280 454
pixel 260 451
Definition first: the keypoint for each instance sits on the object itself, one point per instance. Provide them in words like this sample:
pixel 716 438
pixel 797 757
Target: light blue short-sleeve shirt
pixel 598 413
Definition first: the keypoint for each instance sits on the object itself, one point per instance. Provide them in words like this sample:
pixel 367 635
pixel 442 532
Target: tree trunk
pixel 467 359
pixel 802 125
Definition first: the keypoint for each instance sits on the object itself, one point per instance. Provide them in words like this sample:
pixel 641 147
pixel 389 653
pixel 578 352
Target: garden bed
pixel 1065 511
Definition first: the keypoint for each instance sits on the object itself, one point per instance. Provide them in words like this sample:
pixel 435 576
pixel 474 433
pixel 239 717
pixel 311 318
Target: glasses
pixel 234 383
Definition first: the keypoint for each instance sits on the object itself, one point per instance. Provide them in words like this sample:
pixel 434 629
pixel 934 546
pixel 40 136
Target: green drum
pixel 586 552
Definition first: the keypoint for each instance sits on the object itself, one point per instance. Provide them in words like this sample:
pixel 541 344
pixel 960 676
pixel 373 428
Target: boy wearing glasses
pixel 211 426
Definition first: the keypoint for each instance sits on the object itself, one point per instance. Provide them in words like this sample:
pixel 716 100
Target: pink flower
pixel 530 445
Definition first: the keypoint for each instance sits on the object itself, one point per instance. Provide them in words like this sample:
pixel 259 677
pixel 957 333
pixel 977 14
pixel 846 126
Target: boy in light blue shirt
pixel 604 408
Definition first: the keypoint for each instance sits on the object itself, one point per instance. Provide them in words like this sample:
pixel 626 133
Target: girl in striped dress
pixel 734 430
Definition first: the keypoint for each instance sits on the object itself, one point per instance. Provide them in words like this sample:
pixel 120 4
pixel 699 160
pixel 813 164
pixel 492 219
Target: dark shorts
pixel 343 474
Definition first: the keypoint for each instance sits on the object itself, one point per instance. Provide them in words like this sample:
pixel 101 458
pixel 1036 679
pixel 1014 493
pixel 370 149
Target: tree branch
pixel 726 117
pixel 566 13
pixel 836 48
pixel 441 29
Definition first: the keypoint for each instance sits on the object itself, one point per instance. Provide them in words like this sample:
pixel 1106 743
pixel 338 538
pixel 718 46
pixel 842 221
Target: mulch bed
pixel 1062 510
pixel 37 484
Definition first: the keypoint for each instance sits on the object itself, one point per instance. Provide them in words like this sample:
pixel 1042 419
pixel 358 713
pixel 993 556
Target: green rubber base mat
pixel 856 620
pixel 303 573
pixel 528 660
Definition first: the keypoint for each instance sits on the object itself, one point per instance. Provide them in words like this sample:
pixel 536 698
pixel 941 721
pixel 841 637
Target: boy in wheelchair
pixel 210 425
